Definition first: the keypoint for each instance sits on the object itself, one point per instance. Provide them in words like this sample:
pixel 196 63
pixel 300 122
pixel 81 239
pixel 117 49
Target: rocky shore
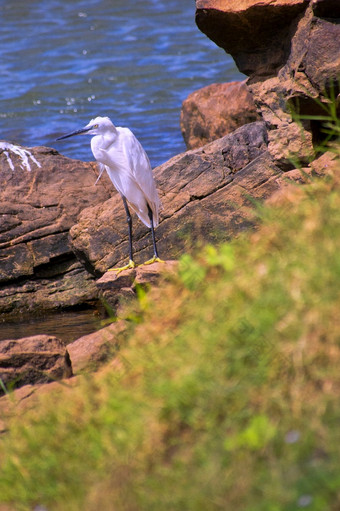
pixel 60 232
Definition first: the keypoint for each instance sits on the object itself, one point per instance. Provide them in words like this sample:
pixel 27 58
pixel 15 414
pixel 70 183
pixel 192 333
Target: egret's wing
pixel 126 186
pixel 101 167
pixel 118 169
pixel 140 166
pixel 129 169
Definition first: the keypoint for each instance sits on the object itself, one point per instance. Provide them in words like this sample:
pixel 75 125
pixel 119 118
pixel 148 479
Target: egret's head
pixel 97 126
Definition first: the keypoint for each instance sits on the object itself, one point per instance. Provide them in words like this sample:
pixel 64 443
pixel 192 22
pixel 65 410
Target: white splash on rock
pixel 23 154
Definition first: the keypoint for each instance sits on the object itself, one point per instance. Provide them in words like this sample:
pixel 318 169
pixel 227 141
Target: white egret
pixel 118 151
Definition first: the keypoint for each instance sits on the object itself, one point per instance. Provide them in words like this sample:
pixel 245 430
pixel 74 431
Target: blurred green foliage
pixel 225 395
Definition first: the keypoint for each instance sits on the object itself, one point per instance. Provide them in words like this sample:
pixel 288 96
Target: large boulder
pixel 41 195
pixel 290 49
pixel 214 111
pixel 30 360
pixel 206 195
pixel 255 32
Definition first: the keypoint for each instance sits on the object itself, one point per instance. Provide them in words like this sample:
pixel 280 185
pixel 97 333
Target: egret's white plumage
pixel 118 151
pixel 127 165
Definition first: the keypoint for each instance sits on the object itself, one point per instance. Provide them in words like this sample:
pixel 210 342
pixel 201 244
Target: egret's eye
pixel 95 126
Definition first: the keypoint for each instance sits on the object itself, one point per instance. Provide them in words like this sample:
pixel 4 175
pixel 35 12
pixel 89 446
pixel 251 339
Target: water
pixel 68 325
pixel 63 63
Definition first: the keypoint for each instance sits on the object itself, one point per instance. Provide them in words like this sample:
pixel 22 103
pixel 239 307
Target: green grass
pixel 225 395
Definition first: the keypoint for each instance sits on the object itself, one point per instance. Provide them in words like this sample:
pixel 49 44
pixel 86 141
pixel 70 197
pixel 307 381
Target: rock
pixel 254 32
pixel 115 281
pixel 244 146
pixel 149 274
pixel 204 200
pixel 215 111
pixel 290 49
pixel 19 401
pixel 10 402
pixel 89 351
pixel 324 165
pixel 41 195
pixel 117 288
pixel 30 360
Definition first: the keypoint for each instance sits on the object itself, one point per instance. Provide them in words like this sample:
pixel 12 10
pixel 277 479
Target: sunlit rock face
pixel 214 111
pixel 41 195
pixel 290 49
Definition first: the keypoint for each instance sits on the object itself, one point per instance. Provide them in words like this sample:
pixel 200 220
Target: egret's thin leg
pixel 153 233
pixel 129 221
pixel 155 257
pixel 131 263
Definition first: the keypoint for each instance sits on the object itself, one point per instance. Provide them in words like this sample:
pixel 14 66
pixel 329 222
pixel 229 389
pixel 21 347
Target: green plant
pixel 224 396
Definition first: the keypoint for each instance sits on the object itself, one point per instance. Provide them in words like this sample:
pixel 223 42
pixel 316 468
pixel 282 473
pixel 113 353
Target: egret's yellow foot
pixel 131 264
pixel 154 259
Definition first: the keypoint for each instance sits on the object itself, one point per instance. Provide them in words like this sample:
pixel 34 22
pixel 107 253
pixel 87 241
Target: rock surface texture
pixel 41 195
pixel 36 359
pixel 290 49
pixel 117 288
pixel 87 352
pixel 215 111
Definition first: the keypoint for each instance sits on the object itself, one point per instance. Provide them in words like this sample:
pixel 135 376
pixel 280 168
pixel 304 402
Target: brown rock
pixel 89 351
pixel 37 208
pixel 15 404
pixel 215 111
pixel 9 402
pixel 116 288
pixel 115 281
pixel 254 32
pixel 244 146
pixel 204 199
pixel 148 274
pixel 36 359
pixel 326 163
pixel 291 51
pixel 306 79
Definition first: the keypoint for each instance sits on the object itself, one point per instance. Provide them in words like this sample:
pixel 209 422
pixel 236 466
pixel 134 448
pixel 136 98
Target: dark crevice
pixel 311 109
pixel 45 271
pixel 29 237
pixel 43 206
pixel 63 261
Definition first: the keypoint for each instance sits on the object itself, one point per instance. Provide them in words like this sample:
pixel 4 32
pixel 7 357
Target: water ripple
pixel 64 63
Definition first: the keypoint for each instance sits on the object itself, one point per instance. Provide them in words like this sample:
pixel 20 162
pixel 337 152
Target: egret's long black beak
pixel 77 132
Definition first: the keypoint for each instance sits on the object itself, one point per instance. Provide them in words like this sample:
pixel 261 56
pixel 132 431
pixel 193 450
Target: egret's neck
pixel 101 143
pixel 105 140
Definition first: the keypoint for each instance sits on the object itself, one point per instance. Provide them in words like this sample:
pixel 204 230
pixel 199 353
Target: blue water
pixel 65 62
